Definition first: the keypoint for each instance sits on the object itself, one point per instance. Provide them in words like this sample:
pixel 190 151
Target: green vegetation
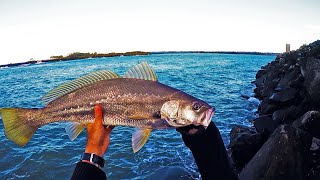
pixel 79 55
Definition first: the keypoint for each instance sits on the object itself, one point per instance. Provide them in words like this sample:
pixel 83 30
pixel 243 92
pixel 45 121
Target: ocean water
pixel 219 79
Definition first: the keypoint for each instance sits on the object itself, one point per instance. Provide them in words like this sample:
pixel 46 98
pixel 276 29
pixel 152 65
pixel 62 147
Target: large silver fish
pixel 136 99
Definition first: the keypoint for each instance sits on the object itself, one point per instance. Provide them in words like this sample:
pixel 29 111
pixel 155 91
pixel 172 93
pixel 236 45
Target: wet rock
pixel 245 96
pixel 284 156
pixel 286 115
pixel 244 143
pixel 266 108
pixel 265 124
pixel 285 96
pixel 284 82
pixel 298 82
pixel 260 73
pixel 311 73
pixel 314 172
pixel 238 129
pixel 310 122
pixel 315 146
pixel 268 91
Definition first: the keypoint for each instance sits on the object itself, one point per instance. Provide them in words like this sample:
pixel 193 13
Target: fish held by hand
pixel 136 99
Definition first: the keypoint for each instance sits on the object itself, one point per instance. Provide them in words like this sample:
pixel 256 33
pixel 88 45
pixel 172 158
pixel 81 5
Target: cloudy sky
pixel 41 28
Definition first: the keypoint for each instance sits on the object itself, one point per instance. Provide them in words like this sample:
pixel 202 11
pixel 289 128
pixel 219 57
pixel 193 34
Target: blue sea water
pixel 219 79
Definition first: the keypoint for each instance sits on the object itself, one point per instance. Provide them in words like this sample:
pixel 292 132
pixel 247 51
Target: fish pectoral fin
pixel 139 138
pixel 74 129
pixel 141 71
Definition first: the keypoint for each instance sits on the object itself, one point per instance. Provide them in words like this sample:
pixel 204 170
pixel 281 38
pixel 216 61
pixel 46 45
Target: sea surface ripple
pixel 219 79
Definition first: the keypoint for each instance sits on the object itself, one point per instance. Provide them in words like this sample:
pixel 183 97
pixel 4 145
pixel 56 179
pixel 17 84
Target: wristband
pixel 93 158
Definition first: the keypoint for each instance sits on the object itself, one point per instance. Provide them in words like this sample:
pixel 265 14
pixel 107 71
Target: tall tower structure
pixel 287 48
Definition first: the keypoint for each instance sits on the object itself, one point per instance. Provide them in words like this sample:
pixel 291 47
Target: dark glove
pixel 196 137
pixel 208 151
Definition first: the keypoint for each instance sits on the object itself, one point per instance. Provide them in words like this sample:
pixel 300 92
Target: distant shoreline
pixel 77 56
pixel 216 52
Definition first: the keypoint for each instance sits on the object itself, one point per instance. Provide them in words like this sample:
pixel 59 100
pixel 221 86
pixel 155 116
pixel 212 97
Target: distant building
pixel 287 48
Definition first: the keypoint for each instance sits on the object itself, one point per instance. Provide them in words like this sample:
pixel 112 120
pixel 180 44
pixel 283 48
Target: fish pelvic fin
pixel 139 138
pixel 141 71
pixel 74 129
pixel 20 124
pixel 81 82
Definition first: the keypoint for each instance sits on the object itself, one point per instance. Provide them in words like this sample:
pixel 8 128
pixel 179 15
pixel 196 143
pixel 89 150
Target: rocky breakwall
pixel 285 140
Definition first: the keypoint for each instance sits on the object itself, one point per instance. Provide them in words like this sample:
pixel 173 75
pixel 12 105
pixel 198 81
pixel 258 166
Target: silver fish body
pixel 135 100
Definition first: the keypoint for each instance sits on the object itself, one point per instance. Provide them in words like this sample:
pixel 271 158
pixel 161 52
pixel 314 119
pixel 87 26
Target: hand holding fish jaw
pixel 98 135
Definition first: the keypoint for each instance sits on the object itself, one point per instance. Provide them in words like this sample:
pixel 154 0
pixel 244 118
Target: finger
pixel 98 114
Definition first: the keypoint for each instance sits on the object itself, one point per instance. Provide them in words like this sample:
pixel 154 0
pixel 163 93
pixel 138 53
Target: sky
pixel 39 29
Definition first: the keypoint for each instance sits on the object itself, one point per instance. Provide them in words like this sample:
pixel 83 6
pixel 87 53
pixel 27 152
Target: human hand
pixel 98 135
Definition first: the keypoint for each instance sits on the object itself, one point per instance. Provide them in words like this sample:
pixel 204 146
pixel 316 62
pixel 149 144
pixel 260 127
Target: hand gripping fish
pixel 136 99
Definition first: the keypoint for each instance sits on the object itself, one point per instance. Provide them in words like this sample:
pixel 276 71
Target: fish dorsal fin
pixel 141 71
pixel 74 129
pixel 139 138
pixel 77 84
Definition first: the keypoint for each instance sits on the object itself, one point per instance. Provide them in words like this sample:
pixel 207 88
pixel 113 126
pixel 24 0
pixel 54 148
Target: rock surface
pixel 244 143
pixel 289 92
pixel 283 156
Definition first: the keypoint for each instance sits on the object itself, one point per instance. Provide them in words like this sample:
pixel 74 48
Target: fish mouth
pixel 205 118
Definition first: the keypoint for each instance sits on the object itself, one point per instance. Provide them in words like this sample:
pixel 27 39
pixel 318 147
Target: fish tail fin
pixel 20 124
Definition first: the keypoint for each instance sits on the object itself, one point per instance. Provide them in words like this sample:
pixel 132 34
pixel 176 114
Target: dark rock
pixel 265 124
pixel 266 108
pixel 310 122
pixel 285 96
pixel 286 115
pixel 284 156
pixel 314 172
pixel 315 146
pixel 245 96
pixel 298 82
pixel 268 90
pixel 238 129
pixel 284 82
pixel 311 73
pixel 260 73
pixel 244 143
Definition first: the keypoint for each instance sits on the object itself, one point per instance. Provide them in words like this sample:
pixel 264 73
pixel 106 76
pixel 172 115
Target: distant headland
pixel 79 55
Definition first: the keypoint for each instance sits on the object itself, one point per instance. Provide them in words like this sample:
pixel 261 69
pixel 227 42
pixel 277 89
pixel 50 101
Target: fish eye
pixel 196 106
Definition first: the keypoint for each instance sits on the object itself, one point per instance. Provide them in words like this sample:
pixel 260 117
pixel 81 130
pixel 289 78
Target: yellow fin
pixel 74 129
pixel 20 124
pixel 141 71
pixel 139 138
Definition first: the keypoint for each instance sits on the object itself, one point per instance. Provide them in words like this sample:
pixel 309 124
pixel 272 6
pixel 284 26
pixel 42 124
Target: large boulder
pixel 266 109
pixel 244 143
pixel 309 122
pixel 314 172
pixel 284 97
pixel 265 124
pixel 311 73
pixel 286 115
pixel 285 81
pixel 284 156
